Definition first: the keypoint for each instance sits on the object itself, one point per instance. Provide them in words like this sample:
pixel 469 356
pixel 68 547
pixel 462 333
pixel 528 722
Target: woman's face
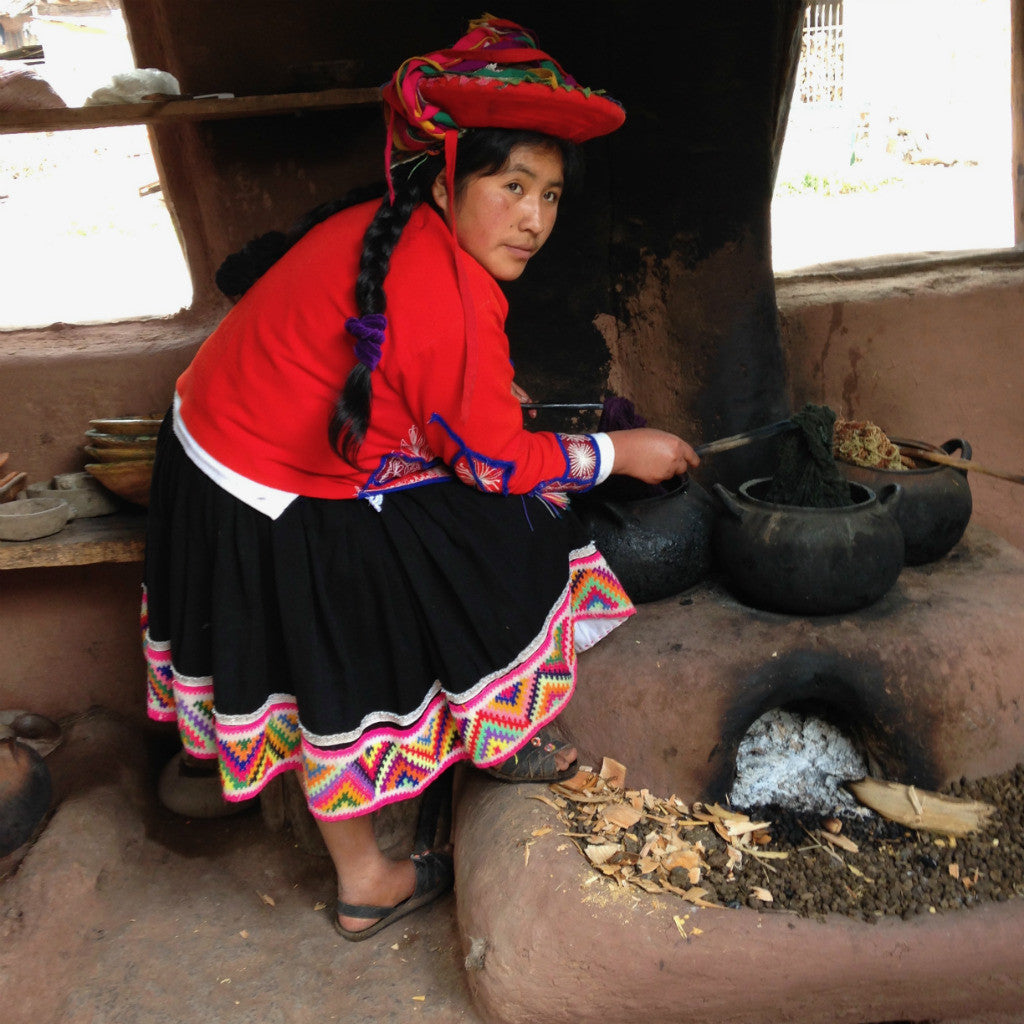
pixel 502 219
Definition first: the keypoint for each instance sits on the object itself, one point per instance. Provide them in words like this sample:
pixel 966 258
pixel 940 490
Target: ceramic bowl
pixel 128 480
pixel 30 518
pixel 102 440
pixel 137 426
pixel 118 453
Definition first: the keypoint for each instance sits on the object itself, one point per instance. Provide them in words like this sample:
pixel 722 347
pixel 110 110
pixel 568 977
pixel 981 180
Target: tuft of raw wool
pixel 134 86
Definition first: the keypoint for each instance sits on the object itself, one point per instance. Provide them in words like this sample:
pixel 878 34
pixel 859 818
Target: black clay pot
pixel 658 545
pixel 936 504
pixel 808 561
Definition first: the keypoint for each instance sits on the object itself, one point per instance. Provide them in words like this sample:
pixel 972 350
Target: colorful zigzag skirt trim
pixel 390 762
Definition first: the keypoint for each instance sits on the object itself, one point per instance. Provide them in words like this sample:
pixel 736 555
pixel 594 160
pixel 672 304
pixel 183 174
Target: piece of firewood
pixel 921 808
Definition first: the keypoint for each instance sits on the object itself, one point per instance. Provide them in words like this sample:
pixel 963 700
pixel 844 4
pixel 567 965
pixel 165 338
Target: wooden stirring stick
pixel 943 459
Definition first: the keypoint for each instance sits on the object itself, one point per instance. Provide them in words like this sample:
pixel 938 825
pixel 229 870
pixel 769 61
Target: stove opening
pixel 796 758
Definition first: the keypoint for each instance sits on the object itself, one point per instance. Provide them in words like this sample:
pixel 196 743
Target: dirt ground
pixel 119 912
pixel 122 913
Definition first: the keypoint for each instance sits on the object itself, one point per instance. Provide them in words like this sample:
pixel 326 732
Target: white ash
pixel 797 762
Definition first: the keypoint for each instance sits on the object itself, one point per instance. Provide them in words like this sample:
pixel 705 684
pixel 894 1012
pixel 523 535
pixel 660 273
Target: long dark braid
pixel 352 410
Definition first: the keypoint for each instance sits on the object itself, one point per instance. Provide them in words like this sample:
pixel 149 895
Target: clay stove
pixel 928 680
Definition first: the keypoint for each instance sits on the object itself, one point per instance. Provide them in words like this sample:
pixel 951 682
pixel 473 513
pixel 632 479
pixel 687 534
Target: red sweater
pixel 259 394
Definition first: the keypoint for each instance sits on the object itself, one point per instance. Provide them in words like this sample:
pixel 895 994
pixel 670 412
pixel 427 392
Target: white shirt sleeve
pixel 606 451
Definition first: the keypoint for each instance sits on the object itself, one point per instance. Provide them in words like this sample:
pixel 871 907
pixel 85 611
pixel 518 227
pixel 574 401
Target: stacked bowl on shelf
pixel 121 452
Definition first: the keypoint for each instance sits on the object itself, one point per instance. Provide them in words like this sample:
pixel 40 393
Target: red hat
pixel 493 77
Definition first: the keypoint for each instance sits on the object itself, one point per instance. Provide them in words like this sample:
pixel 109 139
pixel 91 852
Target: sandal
pixel 536 761
pixel 434 877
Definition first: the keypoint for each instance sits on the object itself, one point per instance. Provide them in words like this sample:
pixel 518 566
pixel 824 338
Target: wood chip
pixel 579 782
pixel 613 773
pixel 685 858
pixel 647 885
pixel 837 840
pixel 696 896
pixel 762 894
pixel 551 803
pixel 725 814
pixel 621 815
pixel 742 828
pixel 600 854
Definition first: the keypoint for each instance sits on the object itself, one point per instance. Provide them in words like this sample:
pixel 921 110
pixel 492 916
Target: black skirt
pixel 368 648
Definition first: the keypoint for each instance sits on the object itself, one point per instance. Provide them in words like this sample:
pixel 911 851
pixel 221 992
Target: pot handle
pixel 957 444
pixel 728 499
pixel 890 495
pixel 615 512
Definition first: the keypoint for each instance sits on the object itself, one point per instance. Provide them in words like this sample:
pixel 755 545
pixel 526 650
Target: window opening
pixel 87 234
pixel 899 132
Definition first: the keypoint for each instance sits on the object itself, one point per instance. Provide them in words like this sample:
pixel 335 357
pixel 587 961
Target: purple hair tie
pixel 368 330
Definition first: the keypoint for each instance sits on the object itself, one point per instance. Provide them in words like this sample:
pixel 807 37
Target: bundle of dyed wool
pixel 619 414
pixel 807 474
pixel 865 444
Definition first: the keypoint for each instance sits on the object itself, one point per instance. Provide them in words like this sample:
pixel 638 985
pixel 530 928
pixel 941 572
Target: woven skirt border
pixel 388 762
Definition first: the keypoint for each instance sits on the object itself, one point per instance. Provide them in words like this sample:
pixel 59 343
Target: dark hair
pixel 241 270
pixel 481 152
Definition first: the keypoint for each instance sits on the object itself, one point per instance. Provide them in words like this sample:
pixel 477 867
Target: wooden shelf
pixel 119 537
pixel 176 111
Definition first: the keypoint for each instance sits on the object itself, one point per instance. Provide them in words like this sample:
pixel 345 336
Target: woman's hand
pixel 521 396
pixel 650 455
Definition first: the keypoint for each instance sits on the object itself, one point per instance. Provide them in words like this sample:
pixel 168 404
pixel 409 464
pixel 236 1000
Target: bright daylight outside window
pixel 899 132
pixel 87 236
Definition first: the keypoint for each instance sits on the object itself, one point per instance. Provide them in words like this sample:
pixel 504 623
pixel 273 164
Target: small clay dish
pixel 31 518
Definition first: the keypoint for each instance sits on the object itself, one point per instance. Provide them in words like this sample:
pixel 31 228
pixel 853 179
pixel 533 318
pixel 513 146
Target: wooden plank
pixel 120 537
pixel 174 110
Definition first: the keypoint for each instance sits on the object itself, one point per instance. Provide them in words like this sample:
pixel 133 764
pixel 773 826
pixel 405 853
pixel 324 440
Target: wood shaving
pixel 658 845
